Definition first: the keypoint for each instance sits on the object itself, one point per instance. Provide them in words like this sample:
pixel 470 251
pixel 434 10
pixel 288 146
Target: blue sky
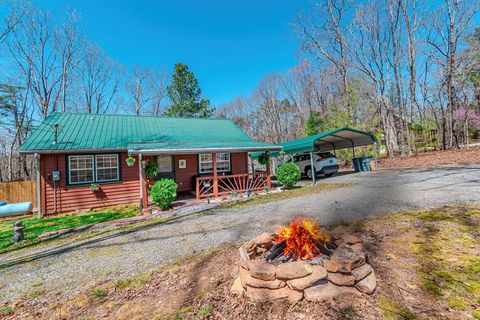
pixel 229 45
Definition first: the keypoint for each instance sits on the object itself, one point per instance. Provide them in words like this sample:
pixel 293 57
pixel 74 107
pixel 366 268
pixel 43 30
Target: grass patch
pixel 394 310
pixel 36 226
pixel 287 194
pixel 446 244
pixel 138 281
pixel 98 293
pixel 476 314
pixel 6 310
pixel 204 312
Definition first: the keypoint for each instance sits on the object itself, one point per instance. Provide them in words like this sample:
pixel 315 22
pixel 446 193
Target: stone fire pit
pixel 324 277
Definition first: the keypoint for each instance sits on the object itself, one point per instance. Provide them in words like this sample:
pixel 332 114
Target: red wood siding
pixel 70 198
pixel 239 163
pixel 184 177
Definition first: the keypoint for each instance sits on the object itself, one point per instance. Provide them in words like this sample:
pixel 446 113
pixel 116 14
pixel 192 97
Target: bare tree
pixel 33 49
pixel 159 79
pixel 100 79
pixel 9 22
pixel 68 45
pixel 373 43
pixel 324 34
pixel 139 88
pixel 446 29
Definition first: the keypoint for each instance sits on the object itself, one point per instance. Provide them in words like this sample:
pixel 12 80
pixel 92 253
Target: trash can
pixel 357 164
pixel 366 163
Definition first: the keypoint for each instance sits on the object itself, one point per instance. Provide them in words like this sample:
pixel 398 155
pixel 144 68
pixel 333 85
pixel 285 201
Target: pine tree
pixel 185 95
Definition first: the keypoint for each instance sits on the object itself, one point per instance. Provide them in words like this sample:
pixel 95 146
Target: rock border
pixel 345 272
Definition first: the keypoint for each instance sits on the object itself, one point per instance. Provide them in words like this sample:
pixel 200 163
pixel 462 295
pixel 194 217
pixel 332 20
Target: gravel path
pixel 126 255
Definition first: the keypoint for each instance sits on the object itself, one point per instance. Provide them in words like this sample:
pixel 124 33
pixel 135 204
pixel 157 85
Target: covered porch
pixel 214 169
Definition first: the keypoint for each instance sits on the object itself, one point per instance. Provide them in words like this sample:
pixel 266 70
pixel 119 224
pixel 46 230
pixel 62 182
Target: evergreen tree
pixel 185 95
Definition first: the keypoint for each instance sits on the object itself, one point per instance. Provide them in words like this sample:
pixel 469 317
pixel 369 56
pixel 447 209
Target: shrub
pixel 164 193
pixel 288 174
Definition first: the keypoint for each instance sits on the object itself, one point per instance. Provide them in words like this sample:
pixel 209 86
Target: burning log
pixel 323 249
pixel 302 239
pixel 330 245
pixel 275 250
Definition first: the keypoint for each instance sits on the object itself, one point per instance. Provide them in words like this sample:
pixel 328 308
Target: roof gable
pixel 80 131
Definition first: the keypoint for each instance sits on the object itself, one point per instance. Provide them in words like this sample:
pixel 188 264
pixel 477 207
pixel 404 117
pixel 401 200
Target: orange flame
pixel 298 238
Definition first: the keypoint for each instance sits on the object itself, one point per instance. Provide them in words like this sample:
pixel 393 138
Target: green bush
pixel 288 174
pixel 164 193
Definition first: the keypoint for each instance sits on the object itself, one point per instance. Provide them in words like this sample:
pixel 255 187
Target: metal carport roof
pixel 327 141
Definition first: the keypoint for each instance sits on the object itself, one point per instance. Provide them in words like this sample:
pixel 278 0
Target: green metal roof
pixel 79 132
pixel 327 141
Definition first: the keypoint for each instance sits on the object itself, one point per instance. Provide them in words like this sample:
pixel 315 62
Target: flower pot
pixel 130 161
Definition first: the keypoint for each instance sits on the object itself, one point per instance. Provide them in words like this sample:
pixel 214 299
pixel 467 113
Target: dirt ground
pixel 429 159
pixel 427 264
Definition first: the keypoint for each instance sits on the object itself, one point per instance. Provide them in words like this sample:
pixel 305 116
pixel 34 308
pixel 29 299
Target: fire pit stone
pixel 361 272
pixel 318 274
pixel 316 265
pixel 293 270
pixel 328 291
pixel 341 279
pixel 247 280
pixel 368 284
pixel 261 270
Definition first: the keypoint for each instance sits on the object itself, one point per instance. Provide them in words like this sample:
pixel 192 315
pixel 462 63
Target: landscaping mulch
pixel 430 159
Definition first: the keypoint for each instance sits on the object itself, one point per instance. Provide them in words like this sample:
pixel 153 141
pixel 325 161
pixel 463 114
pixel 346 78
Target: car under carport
pixel 332 140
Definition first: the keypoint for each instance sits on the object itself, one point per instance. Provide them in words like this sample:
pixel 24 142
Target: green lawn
pixel 35 226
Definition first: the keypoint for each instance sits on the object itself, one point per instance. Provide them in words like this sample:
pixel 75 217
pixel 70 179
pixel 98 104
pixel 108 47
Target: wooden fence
pixel 19 191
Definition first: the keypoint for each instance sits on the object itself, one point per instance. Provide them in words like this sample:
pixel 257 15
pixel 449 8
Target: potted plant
pixel 130 161
pixel 263 158
pixel 151 169
pixel 94 187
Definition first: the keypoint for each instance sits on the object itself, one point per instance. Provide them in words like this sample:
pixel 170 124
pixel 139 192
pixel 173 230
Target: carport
pixel 328 141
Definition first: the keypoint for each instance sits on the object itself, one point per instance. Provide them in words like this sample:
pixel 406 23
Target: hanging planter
pixel 94 187
pixel 130 161
pixel 263 158
pixel 151 169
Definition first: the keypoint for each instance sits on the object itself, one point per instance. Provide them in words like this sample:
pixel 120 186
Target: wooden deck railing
pixel 230 183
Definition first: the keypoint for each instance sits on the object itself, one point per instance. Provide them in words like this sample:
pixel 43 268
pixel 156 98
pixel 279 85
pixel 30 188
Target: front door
pixel 165 167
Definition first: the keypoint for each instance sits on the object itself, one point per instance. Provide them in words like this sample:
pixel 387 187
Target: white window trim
pixel 117 167
pixel 229 161
pixel 70 169
pixel 94 169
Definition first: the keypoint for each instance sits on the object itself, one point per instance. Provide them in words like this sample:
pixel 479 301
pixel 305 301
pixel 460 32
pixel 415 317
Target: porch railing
pixel 205 186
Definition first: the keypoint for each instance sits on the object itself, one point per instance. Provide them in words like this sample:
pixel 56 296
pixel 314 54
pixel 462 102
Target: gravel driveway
pixel 372 194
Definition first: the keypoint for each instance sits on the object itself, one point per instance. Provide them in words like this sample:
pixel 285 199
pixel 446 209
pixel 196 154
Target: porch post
pixel 215 175
pixel 39 186
pixel 375 155
pixel 269 180
pixel 312 167
pixel 140 179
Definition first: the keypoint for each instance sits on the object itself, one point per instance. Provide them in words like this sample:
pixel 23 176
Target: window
pixel 165 164
pixel 81 169
pixel 89 168
pixel 206 163
pixel 107 167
